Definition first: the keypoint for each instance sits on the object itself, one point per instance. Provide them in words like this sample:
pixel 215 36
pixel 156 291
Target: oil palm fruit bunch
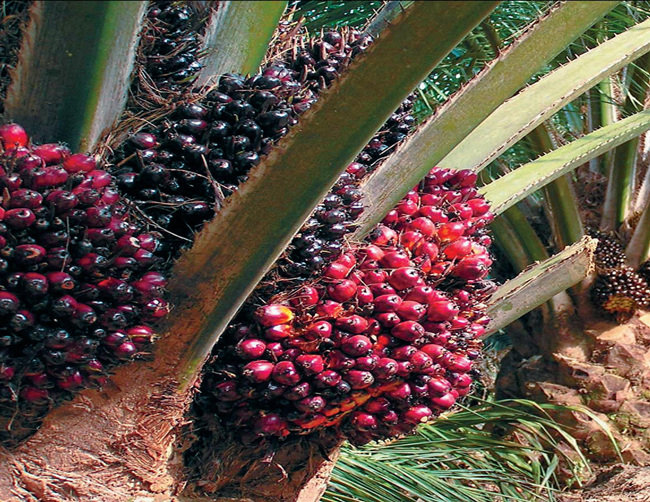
pixel 170 45
pixel 180 172
pixel 78 280
pixel 618 290
pixel 383 340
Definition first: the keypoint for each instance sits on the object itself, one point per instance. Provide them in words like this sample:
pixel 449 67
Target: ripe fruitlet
pixel 270 315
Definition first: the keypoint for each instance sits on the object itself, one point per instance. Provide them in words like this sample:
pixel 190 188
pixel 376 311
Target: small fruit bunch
pixel 383 340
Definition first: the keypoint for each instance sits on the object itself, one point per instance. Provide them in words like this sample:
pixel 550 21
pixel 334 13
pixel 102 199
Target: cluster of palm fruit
pixel 618 289
pixel 179 172
pixel 383 340
pixel 78 280
pixel 170 45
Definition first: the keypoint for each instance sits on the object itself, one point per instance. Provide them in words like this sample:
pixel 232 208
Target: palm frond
pixel 463 456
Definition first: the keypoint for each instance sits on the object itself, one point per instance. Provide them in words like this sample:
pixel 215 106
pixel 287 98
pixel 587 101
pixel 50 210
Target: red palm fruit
pixel 443 402
pixel 391 217
pixel 347 259
pixel 411 311
pixel 342 290
pixel 270 315
pixel 125 350
pixel 70 380
pixel 408 331
pixel 13 135
pixel 395 259
pixel 404 369
pixel 156 308
pixel 421 360
pixel 388 319
pixel 258 371
pixel 375 276
pixel 35 284
pixel 434 213
pixel 458 322
pixel 34 395
pixel 386 368
pixel 79 162
pixel 51 153
pixel 367 265
pixel 472 268
pixel 364 295
pixel 310 363
pixel 336 270
pixel 307 296
pixel 451 231
pixel 300 391
pixel 271 424
pixel 438 386
pixel 383 236
pixel 377 406
pixel 442 310
pixel 423 225
pixel 433 350
pixel 387 303
pixel 29 254
pixel 366 363
pixel 417 414
pixel 250 348
pixel 457 249
pixel 360 379
pixel 329 309
pixel 425 248
pixel 407 206
pixel 62 200
pixel 141 335
pixel 390 418
pixel 278 332
pixel 400 393
pixel 353 324
pixel 337 360
pixel 403 352
pixel 6 372
pixel 410 239
pixel 317 330
pixel 285 373
pixel 274 350
pixel 40 380
pixel 457 362
pixel 403 278
pixel 381 289
pixel 357 345
pixel 327 378
pixel 311 404
pixel 357 170
pixel 43 177
pixel 128 245
pixel 421 295
pixel 371 252
pixel 479 206
pixel 363 421
pixel 463 380
pixel 23 197
pixel 19 218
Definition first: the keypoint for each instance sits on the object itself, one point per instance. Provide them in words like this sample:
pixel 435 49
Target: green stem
pixel 563 213
pixel 620 186
pixel 638 250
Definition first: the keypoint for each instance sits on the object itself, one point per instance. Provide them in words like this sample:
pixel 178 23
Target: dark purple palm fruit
pixel 170 47
pixel 620 292
pixel 180 172
pixel 71 306
pixel 609 251
pixel 368 362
